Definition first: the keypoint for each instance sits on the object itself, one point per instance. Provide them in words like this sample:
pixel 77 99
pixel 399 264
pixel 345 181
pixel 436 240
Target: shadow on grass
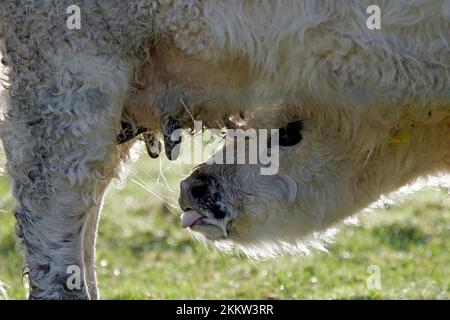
pixel 400 237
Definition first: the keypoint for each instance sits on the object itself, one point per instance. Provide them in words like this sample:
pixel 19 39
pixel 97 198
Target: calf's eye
pixel 291 134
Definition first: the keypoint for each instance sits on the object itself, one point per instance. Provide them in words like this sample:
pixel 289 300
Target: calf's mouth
pixel 204 209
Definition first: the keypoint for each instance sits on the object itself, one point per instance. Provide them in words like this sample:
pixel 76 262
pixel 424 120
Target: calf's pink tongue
pixel 189 218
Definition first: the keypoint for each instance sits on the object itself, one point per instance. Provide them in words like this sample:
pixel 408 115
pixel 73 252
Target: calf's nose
pixel 191 193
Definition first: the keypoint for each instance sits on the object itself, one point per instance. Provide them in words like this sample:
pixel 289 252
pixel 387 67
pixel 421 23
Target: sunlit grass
pixel 144 254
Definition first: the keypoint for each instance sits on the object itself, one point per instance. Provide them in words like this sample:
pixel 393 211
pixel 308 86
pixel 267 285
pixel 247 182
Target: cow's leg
pixel 89 241
pixel 90 228
pixel 59 134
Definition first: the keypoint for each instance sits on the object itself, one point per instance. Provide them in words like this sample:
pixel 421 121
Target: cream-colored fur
pixel 148 60
pixel 355 89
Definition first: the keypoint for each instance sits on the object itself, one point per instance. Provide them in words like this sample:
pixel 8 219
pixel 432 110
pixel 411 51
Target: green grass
pixel 142 253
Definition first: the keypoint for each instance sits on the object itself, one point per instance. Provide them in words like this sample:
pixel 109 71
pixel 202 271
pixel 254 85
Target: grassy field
pixel 144 254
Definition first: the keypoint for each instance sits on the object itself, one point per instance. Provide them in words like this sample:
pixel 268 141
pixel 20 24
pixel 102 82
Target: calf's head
pixel 326 173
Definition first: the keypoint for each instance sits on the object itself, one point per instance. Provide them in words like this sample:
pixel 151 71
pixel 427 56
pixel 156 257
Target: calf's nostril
pixel 198 191
pixel 184 200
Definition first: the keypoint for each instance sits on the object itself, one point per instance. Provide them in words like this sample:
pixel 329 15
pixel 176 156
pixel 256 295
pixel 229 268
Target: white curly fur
pixel 68 90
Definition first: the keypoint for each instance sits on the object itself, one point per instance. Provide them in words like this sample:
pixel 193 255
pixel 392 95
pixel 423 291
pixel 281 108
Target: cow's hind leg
pixel 89 242
pixel 59 134
pixel 90 228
